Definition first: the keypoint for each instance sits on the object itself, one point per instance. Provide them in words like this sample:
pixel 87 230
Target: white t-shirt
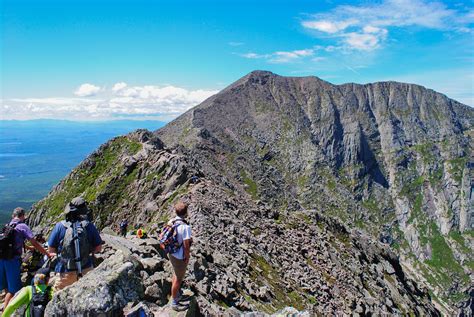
pixel 184 233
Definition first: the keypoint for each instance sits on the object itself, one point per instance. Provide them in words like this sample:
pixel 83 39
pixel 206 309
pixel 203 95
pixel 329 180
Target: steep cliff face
pixel 278 159
pixel 390 158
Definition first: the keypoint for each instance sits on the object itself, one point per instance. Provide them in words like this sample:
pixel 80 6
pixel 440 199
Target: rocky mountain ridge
pixel 279 160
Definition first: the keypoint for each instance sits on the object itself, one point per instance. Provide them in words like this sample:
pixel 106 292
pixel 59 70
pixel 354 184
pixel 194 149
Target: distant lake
pixel 35 155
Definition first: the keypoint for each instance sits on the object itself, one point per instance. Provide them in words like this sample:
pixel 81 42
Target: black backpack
pixel 7 241
pixel 39 301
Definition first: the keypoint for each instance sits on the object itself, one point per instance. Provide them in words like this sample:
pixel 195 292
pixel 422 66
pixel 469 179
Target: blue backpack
pixel 169 237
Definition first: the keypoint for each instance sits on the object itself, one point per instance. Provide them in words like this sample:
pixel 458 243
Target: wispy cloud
pixel 121 101
pixel 236 43
pixel 281 57
pixel 365 27
pixel 86 90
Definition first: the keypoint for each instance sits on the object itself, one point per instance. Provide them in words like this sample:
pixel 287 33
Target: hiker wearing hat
pixel 12 239
pixel 74 239
pixel 36 296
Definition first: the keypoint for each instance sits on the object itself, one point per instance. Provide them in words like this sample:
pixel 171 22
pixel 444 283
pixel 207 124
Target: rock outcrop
pixel 292 182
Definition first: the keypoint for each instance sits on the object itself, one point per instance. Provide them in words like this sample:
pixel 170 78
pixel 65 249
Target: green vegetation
pixel 256 231
pixel 251 186
pixel 412 187
pixel 399 239
pixel 178 192
pixel 416 211
pixel 90 182
pixel 312 300
pixel 425 150
pixel 158 174
pixel 442 257
pixel 304 217
pixel 436 176
pixel 457 236
pixel 456 168
pixel 261 107
pixel 265 275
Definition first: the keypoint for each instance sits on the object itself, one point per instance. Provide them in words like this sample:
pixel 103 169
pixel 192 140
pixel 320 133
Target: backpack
pixel 169 237
pixel 38 302
pixel 68 252
pixel 7 241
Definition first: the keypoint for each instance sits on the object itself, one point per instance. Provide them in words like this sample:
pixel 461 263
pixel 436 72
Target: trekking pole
pixel 77 251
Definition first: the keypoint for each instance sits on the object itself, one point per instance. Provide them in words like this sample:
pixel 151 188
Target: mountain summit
pixel 329 198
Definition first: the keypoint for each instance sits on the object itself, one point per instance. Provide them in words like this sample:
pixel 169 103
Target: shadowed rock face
pixel 278 158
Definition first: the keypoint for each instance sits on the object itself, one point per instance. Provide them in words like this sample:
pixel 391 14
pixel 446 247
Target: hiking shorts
pixel 67 278
pixel 179 267
pixel 10 275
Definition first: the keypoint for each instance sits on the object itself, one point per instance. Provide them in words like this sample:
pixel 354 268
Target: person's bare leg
pixel 175 284
pixel 8 297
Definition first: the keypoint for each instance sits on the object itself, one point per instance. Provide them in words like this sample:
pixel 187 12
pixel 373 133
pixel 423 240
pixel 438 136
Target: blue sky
pixel 155 59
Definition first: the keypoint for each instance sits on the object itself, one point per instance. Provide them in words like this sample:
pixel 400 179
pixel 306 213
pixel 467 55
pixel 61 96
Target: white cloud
pixel 328 26
pixel 236 43
pixel 366 41
pixel 254 55
pixel 365 27
pixel 121 101
pixel 119 86
pixel 86 90
pixel 280 57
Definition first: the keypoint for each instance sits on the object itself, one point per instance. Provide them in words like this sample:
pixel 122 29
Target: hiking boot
pixel 182 297
pixel 179 306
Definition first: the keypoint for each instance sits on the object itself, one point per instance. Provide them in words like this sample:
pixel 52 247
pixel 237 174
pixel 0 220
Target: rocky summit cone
pixel 331 199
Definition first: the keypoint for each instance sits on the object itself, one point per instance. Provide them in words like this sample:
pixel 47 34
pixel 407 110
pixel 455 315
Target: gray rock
pixel 105 291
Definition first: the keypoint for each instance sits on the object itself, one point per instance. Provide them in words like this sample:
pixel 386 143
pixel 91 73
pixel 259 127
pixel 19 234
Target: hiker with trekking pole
pixel 74 240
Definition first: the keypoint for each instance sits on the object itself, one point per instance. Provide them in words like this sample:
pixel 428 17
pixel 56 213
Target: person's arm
pixel 187 240
pixel 97 249
pixel 40 248
pixel 94 238
pixel 187 250
pixel 21 298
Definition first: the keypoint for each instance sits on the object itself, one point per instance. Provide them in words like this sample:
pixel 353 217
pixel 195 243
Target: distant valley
pixel 35 155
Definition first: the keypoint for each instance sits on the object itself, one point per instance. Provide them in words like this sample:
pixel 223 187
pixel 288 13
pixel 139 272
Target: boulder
pixel 105 291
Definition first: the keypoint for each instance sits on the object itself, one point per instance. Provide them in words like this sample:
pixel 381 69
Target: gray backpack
pixel 68 254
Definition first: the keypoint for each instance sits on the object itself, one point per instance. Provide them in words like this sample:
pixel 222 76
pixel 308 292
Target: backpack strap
pixel 33 293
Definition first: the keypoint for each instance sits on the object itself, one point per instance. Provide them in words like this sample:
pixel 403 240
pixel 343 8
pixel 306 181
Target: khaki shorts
pixel 68 278
pixel 179 267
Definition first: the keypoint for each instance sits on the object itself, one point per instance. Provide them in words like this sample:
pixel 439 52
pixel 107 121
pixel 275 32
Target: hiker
pixel 178 247
pixel 74 248
pixel 123 227
pixel 194 179
pixel 141 233
pixel 34 260
pixel 35 296
pixel 12 239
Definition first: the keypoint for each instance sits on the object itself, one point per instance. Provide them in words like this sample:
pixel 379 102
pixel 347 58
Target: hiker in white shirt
pixel 180 258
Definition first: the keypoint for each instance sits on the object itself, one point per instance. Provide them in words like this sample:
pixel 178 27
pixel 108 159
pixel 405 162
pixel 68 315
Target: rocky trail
pixel 241 264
